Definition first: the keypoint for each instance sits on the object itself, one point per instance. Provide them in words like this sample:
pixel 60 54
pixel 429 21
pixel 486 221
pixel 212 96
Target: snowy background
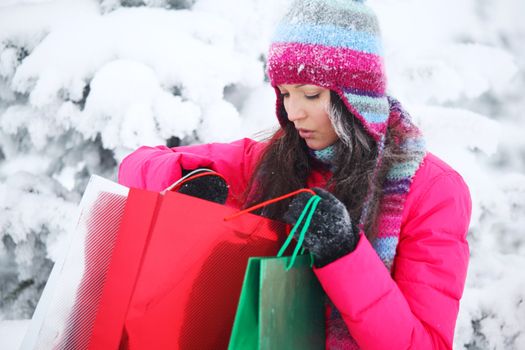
pixel 84 82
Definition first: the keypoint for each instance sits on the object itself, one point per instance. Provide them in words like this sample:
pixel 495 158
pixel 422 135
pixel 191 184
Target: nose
pixel 294 110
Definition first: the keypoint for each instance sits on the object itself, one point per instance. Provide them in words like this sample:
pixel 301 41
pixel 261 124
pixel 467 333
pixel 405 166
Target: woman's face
pixel 307 107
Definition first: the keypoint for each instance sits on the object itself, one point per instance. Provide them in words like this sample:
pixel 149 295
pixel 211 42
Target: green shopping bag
pixel 282 303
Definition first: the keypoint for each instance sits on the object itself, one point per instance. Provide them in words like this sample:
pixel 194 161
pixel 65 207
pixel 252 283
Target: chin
pixel 316 146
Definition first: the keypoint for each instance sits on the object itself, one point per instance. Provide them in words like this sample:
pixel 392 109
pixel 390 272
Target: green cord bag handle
pixel 308 211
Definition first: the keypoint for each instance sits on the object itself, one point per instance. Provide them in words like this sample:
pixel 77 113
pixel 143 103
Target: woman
pixel 389 236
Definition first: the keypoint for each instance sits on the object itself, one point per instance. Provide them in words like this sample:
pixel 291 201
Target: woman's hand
pixel 331 234
pixel 212 188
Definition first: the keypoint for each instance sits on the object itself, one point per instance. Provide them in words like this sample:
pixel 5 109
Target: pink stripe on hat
pixel 330 67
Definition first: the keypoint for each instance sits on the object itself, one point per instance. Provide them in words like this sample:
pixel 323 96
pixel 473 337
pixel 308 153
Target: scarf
pixel 325 156
pixel 394 193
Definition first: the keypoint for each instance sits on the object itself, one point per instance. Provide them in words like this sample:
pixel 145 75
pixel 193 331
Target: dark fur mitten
pixel 211 188
pixel 331 234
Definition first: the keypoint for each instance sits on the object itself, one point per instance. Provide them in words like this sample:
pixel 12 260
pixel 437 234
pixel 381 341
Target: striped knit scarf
pixel 326 156
pixel 395 190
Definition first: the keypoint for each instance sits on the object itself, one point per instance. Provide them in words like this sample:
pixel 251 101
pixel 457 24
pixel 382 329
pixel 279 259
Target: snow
pixel 126 102
pixel 450 72
pixel 84 82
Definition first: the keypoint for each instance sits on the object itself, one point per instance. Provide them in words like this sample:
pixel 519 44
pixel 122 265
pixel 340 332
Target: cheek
pixel 330 132
pixel 328 128
pixel 324 120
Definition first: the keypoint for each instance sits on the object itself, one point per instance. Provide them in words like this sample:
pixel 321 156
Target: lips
pixel 305 133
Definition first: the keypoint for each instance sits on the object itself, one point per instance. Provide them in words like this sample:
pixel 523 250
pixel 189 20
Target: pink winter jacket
pixel 416 306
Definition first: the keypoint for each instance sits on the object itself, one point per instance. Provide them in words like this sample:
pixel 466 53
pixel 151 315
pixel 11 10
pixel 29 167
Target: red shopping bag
pixel 188 277
pixel 191 275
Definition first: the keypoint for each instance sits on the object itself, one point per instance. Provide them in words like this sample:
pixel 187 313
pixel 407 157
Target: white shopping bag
pixel 64 314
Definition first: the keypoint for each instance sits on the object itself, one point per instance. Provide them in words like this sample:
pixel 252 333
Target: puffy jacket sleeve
pixel 155 168
pixel 416 307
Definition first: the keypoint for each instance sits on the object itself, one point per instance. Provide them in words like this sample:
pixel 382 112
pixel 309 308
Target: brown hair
pixel 285 165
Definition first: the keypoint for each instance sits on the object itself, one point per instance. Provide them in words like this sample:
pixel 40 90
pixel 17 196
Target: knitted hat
pixel 334 44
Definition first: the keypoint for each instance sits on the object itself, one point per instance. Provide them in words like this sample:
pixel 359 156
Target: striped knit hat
pixel 334 44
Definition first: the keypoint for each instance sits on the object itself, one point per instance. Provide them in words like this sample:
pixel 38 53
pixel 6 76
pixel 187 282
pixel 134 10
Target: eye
pixel 285 94
pixel 312 97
